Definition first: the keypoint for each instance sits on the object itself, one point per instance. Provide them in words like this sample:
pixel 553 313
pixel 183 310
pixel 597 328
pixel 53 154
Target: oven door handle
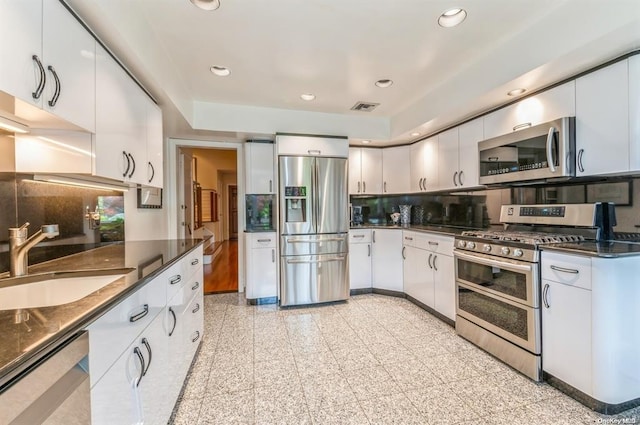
pixel 492 262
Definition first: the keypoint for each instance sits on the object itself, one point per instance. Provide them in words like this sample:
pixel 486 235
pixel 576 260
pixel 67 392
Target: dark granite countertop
pixel 435 228
pixel 605 249
pixel 25 343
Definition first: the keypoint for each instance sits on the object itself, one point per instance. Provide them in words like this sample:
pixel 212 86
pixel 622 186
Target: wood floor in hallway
pixel 222 274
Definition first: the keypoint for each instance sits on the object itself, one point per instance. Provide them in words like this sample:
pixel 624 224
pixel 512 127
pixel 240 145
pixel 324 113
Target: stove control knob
pixel 518 252
pixel 462 244
pixel 505 250
pixel 486 247
pixel 471 245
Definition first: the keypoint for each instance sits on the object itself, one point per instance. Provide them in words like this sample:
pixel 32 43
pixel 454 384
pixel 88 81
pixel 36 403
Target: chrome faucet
pixel 19 245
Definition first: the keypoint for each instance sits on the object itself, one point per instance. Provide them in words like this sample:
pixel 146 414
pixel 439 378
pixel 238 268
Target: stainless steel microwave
pixel 541 152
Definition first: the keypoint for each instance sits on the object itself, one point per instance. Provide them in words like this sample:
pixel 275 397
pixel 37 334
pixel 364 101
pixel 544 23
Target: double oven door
pixel 501 296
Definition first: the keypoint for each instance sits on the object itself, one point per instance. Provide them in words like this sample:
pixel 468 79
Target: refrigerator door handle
pixel 328 260
pixel 316 240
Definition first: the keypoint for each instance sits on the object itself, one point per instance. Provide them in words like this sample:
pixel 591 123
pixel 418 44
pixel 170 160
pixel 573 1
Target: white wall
pixel 144 224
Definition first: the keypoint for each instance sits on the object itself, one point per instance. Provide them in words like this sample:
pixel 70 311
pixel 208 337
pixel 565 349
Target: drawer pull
pixel 564 270
pixel 264 240
pixel 196 286
pixel 175 321
pixel 407 238
pixel 144 312
pixel 195 310
pixel 358 236
pixel 521 126
pixel 195 262
pixel 138 353
pixel 197 337
pixel 145 342
pixel 175 279
pixel 314 152
pixel 433 243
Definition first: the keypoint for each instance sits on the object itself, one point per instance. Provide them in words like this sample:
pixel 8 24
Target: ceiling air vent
pixel 364 106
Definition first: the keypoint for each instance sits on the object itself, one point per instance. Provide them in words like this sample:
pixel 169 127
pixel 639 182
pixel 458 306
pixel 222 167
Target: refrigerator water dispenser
pixel 295 198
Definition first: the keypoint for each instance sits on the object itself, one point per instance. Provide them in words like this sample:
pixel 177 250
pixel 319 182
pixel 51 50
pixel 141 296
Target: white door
pixel 260 168
pixel 395 170
pixel 448 168
pixel 469 134
pixel 355 167
pixel 155 146
pixel 387 259
pixel 416 166
pixel 634 111
pixel 444 285
pixel 602 121
pixel 21 35
pixel 430 155
pixel 566 334
pixel 153 395
pixel 359 265
pixel 371 171
pixel 262 282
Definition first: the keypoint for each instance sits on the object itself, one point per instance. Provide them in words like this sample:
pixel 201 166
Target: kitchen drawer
pixel 571 270
pixel 263 240
pixel 192 262
pixel 174 278
pixel 414 239
pixel 439 243
pixel 313 146
pixel 360 236
pixel 112 333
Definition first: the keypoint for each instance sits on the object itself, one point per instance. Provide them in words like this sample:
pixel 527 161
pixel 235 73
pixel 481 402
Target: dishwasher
pixel 55 390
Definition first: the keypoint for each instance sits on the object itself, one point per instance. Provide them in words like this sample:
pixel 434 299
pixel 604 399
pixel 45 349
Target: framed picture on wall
pixel 149 197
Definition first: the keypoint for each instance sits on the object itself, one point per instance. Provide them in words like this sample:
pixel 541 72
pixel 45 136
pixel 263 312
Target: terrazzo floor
pixel 371 360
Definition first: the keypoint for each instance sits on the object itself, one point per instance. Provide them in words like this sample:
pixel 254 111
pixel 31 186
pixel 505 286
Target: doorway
pixel 215 206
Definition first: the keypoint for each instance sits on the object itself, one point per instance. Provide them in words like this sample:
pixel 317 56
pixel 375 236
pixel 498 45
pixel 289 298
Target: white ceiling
pixel 337 49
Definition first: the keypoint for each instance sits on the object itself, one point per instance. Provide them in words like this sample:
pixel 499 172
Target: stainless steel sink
pixel 51 289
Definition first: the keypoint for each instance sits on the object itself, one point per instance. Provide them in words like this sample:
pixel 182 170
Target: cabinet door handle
pixel 550 159
pixel 133 169
pixel 385 186
pixel 144 312
pixel 270 185
pixel 195 310
pixel 153 171
pixel 175 321
pixel 195 262
pixel 264 240
pixel 56 93
pixel 545 295
pixel 126 157
pixel 373 236
pixel 273 255
pixel 407 238
pixel 521 126
pixel 455 175
pixel 175 279
pixel 196 286
pixel 145 342
pixel 435 266
pixel 364 186
pixel 460 180
pixel 429 261
pixel 433 243
pixel 358 187
pixel 368 250
pixel 403 249
pixel 43 78
pixel 580 166
pixel 564 270
pixel 138 353
pixel 197 337
pixel 314 152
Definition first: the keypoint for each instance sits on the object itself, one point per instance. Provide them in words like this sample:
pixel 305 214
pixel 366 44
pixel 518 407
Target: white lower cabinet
pixel 140 383
pixel 444 285
pixel 387 259
pixel 129 392
pixel 262 281
pixel 360 259
pixel 418 281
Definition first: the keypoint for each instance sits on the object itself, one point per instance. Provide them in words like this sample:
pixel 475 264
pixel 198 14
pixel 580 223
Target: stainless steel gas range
pixel 498 277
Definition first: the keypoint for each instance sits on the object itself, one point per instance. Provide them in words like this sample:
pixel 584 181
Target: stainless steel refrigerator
pixel 314 226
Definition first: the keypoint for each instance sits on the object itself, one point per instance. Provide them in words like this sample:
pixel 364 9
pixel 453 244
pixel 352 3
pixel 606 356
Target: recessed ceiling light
pixel 415 134
pixel 452 17
pixel 307 96
pixel 516 92
pixel 206 4
pixel 384 83
pixel 220 71
pixel 366 142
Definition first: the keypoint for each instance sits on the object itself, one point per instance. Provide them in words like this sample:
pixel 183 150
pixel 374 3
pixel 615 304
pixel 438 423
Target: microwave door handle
pixel 552 167
pixel 492 262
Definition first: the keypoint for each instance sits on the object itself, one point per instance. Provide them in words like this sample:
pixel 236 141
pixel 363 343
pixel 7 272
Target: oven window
pixel 500 280
pixel 505 316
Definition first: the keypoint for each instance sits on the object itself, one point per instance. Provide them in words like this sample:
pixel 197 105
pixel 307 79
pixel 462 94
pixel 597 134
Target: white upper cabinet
pixel 448 169
pixel 469 134
pixel 395 170
pixel 602 121
pixel 423 160
pixel 416 165
pixel 634 112
pixel 155 145
pixel 20 41
pixel 48 59
pixel 549 105
pixel 365 171
pixel 259 162
pixel 312 145
pixel 69 60
pixel 120 142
